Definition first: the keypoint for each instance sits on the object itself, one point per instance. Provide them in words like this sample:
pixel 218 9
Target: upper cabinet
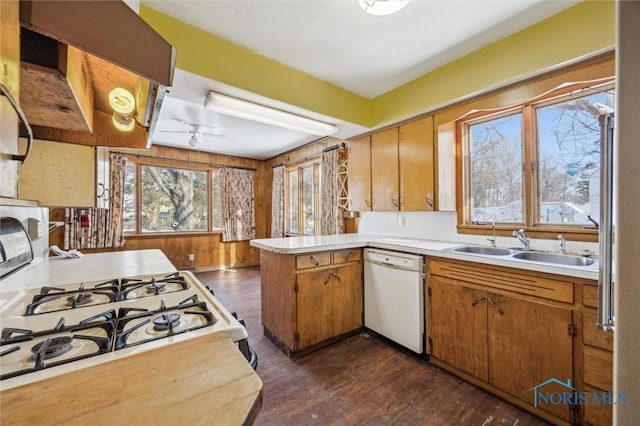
pixel 10 80
pixel 384 170
pixel 416 165
pixel 393 169
pixel 359 152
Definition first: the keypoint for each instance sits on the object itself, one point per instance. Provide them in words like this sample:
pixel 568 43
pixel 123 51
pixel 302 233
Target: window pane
pixel 495 162
pixel 293 202
pixel 216 202
pixel 173 199
pixel 307 200
pixel 129 199
pixel 569 160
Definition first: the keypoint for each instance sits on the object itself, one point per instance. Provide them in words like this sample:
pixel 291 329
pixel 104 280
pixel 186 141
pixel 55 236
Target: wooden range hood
pixel 73 53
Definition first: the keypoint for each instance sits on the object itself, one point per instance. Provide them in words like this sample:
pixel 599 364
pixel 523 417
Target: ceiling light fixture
pixel 382 7
pixel 123 104
pixel 251 111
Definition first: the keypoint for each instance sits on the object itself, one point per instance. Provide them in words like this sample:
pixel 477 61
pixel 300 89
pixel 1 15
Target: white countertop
pixel 297 245
pixel 54 271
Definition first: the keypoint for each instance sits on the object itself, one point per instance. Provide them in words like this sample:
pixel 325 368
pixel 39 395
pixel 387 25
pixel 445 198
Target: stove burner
pixel 166 322
pixel 156 287
pixel 53 347
pixel 79 299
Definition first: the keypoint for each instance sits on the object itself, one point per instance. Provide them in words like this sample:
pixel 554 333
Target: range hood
pixel 73 53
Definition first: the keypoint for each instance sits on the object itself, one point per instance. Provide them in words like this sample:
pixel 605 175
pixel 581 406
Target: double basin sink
pixel 532 256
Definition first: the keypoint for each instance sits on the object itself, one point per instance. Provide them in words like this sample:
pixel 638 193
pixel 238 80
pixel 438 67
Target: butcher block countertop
pixel 202 381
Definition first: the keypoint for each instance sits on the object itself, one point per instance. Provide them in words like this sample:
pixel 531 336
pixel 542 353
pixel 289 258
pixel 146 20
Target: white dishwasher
pixel 394 297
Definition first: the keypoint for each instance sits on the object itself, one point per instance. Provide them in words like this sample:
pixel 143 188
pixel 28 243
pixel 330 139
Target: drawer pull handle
pixel 395 202
pixel 332 275
pixel 495 306
pixel 348 255
pixel 313 260
pixel 478 300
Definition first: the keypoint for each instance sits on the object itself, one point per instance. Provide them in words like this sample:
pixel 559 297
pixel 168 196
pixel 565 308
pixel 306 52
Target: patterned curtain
pixel 99 227
pixel 117 168
pixel 331 218
pixel 237 205
pixel 277 203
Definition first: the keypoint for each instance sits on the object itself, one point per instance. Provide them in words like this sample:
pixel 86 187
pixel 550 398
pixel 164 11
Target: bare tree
pixel 178 186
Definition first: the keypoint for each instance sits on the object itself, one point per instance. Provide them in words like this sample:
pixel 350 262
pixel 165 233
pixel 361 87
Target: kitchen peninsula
pixel 490 319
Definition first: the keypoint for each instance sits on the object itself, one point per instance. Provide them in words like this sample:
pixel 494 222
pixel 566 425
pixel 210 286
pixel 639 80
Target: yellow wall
pixel 582 29
pixel 575 32
pixel 210 56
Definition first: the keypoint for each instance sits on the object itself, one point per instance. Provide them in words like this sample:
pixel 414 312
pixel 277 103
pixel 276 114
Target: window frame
pixel 530 146
pixel 159 162
pixel 316 164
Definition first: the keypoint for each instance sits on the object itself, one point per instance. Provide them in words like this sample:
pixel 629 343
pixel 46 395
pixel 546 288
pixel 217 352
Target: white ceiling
pixel 336 42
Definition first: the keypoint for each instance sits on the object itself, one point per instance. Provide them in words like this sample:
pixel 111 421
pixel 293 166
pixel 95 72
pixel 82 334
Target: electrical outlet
pixel 401 221
pixel 191 257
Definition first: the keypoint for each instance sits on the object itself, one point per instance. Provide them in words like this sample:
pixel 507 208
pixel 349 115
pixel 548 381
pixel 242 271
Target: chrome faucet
pixel 563 243
pixel 524 240
pixel 493 239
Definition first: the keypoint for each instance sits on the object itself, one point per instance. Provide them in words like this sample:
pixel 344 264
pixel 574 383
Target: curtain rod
pixel 339 146
pixel 183 161
pixel 308 157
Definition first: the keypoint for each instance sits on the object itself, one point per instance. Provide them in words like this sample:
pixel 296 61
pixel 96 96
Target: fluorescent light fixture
pixel 250 111
pixel 382 7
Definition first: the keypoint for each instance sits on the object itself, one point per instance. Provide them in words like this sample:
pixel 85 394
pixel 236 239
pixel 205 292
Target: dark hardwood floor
pixel 358 381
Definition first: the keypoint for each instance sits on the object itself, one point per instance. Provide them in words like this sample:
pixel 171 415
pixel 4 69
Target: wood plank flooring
pixel 358 381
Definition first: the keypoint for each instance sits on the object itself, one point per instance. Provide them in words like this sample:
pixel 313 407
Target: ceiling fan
pixel 196 132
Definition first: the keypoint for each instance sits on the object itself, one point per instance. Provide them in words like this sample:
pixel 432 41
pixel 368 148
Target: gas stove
pixel 52 330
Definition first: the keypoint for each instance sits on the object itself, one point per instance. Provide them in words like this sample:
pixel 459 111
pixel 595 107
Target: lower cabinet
pixel 325 304
pixel 516 344
pixel 311 299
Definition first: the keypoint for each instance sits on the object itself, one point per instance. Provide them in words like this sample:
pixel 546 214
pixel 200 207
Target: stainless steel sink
pixel 561 259
pixel 491 251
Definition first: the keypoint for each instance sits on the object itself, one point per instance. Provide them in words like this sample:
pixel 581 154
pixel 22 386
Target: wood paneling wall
pixel 300 155
pixel 208 249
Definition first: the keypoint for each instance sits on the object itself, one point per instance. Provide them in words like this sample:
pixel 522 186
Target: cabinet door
pixel 458 326
pixel 360 174
pixel 416 165
pixel 314 307
pixel 528 345
pixel 384 170
pixel 347 298
pixel 10 78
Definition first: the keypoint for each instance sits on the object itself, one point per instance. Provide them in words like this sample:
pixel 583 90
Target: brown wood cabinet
pixel 511 342
pixel 393 169
pixel 384 170
pixel 10 78
pixel 415 150
pixel 311 299
pixel 360 174
pixel 597 360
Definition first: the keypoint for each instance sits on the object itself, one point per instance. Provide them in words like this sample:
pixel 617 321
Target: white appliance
pixel 56 319
pixel 394 297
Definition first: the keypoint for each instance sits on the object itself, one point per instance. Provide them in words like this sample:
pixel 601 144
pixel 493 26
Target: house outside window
pixel 536 165
pixel 302 199
pixel 159 199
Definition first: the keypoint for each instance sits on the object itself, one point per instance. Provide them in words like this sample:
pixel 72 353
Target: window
pixel 537 164
pixel 302 199
pixel 168 199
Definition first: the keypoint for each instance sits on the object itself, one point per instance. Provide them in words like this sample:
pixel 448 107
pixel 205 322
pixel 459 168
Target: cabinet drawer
pixel 305 261
pixel 342 256
pixel 592 335
pixel 598 368
pixel 597 414
pixel 590 295
pixel 504 279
